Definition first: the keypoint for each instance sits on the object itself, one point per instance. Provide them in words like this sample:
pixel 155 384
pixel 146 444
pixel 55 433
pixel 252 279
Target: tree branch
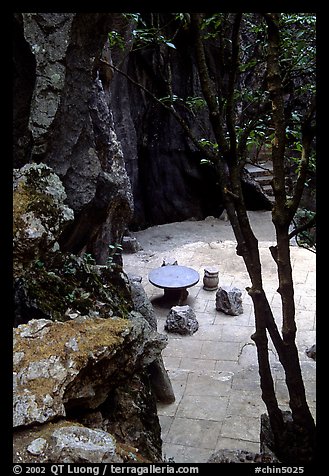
pixel 308 133
pixel 275 89
pixel 207 85
pixel 231 82
pixel 212 157
pixel 303 227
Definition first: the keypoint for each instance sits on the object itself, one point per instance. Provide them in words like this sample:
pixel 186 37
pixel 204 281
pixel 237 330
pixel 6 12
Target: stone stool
pixel 169 261
pixel 130 244
pixel 210 279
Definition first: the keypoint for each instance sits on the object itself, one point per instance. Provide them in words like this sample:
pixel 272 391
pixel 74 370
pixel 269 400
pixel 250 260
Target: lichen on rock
pixel 39 214
pixel 74 364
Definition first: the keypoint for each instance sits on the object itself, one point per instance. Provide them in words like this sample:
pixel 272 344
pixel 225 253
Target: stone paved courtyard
pixel 214 372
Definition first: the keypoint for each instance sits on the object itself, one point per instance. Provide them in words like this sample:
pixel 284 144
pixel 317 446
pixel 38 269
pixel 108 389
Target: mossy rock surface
pixel 66 285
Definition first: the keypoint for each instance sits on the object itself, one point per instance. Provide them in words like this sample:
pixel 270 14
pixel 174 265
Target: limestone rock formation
pixel 74 367
pixel 82 356
pixel 61 118
pixel 158 374
pixel 60 366
pixel 48 283
pixel 71 442
pixel 241 456
pixel 169 182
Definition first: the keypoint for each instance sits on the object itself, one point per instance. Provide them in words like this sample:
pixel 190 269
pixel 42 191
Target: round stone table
pixel 174 280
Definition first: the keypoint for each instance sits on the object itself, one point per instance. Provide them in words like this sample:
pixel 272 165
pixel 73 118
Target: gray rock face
pixel 75 443
pixel 63 120
pixel 154 143
pixel 181 320
pixel 160 381
pixel 71 442
pixel 229 300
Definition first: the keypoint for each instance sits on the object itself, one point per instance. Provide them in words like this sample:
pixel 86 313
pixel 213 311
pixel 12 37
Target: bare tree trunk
pixel 282 215
pixel 247 244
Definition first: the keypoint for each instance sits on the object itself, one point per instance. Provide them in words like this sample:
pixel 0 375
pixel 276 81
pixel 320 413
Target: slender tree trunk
pixel 247 245
pixel 282 215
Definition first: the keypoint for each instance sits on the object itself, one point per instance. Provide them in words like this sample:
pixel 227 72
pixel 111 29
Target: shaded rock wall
pixel 169 182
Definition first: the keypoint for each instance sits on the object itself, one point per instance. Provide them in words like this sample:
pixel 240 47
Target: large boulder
pixel 65 370
pixel 181 320
pixel 60 366
pixel 71 442
pixel 228 300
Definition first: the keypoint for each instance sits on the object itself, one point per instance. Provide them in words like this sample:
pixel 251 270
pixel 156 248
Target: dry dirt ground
pixel 163 238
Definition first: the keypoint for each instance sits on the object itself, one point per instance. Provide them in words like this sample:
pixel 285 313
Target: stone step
pixel 263 174
pixel 264 179
pixel 259 171
pixel 268 189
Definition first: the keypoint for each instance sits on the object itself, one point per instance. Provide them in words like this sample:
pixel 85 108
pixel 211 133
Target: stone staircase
pixel 263 174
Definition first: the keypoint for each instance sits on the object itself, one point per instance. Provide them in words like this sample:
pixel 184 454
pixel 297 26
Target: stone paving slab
pixel 214 372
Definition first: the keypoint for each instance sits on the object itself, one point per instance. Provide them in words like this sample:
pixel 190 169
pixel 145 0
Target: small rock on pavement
pixel 181 320
pixel 229 301
pixel 311 352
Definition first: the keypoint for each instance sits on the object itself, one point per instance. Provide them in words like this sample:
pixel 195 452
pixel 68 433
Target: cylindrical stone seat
pixel 210 279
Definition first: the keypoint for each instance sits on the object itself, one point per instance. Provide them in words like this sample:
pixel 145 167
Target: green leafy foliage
pixel 150 36
pixel 116 40
pixel 306 238
pixel 208 143
pixel 211 25
pixel 195 103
